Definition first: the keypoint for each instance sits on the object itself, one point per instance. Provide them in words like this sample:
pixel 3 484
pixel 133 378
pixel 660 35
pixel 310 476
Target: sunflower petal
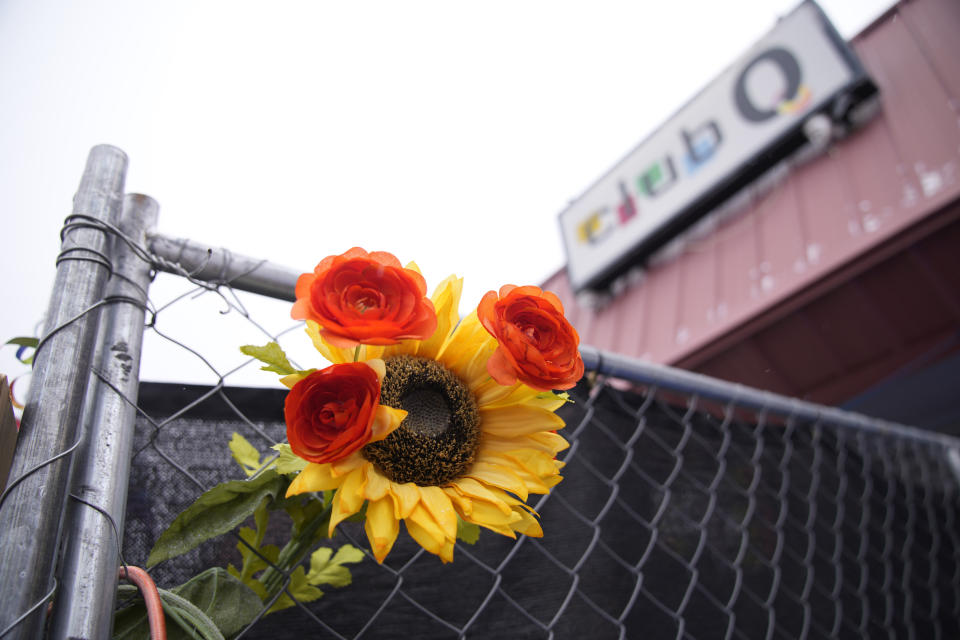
pixel 377 486
pixel 338 355
pixel 314 477
pixel 550 445
pixel 381 527
pixel 351 492
pixel 385 421
pixel 342 467
pixel 446 552
pixel 488 515
pixel 527 525
pixel 446 301
pixel 466 351
pixel 491 394
pixel 518 420
pixel 334 354
pixel 438 504
pixel 498 476
pixel 292 379
pixel 478 491
pixel 407 497
pixel 425 530
pixel 339 512
pixel 462 503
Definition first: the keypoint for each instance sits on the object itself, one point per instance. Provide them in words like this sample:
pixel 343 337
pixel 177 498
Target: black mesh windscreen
pixel 676 518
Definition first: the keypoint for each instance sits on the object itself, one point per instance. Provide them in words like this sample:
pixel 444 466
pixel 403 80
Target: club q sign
pixel 744 122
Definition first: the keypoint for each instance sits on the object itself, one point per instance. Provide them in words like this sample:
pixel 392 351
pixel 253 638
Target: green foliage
pixel 210 606
pixel 288 463
pixel 467 531
pixel 264 568
pixel 273 356
pixel 327 570
pixel 245 454
pixel 300 588
pixel 324 569
pixel 24 343
pixel 216 512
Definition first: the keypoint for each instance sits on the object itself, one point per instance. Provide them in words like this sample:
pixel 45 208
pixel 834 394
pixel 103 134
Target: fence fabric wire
pixel 680 516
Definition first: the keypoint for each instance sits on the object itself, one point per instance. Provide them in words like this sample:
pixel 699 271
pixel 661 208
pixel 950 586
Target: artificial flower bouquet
pixel 443 423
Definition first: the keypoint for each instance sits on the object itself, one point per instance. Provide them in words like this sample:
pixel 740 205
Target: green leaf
pixel 288 463
pixel 327 570
pixel 214 513
pixel 273 356
pixel 24 342
pixel 252 563
pixel 302 590
pixel 302 509
pixel 467 531
pixel 245 454
pixel 210 606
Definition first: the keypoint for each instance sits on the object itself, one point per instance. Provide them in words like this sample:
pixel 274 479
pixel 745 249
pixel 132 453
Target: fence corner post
pixel 87 595
pixel 32 506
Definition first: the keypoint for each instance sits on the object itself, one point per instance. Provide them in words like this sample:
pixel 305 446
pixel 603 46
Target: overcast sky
pixel 447 133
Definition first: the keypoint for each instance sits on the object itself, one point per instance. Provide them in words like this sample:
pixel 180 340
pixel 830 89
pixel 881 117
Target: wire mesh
pixel 681 515
pixel 677 518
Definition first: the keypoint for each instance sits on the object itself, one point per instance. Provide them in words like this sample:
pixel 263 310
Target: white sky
pixel 446 133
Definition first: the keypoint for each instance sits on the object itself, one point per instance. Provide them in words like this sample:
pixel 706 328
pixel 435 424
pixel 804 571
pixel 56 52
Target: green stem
pixel 294 551
pixel 356 353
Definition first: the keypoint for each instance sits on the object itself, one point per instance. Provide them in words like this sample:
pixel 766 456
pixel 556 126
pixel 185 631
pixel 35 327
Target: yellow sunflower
pixel 468 446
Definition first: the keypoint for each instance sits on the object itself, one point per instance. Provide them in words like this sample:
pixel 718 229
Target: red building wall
pixel 843 271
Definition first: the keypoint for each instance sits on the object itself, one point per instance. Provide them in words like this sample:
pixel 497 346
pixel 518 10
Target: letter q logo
pixel 769 85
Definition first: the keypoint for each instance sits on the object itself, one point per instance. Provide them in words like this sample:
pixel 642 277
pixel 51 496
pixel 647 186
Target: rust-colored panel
pixel 605 331
pixel 935 25
pixel 746 364
pixel 854 338
pixel 881 191
pixel 828 209
pixel 782 240
pixel 664 283
pixel 697 293
pixel 939 256
pixel 919 114
pixel 738 265
pixel 632 340
pixel 905 298
pixel 798 352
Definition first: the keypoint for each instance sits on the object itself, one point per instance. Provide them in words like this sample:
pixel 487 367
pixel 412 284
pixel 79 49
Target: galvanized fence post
pixel 86 598
pixel 32 506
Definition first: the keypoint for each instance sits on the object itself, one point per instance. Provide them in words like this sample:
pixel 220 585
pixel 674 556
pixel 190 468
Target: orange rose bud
pixel 365 298
pixel 537 345
pixel 330 413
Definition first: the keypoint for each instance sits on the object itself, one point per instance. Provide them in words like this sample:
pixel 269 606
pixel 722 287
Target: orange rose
pixel 537 345
pixel 330 413
pixel 365 298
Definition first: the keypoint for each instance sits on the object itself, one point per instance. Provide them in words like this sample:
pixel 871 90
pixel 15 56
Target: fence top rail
pixel 669 378
pixel 201 262
pixel 221 266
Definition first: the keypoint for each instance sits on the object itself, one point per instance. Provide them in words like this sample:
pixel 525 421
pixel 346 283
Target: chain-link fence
pixel 690 508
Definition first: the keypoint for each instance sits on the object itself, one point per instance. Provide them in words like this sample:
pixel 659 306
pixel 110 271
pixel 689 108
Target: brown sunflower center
pixel 437 441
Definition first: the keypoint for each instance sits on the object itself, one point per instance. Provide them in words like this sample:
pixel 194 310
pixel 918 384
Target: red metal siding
pixel 792 273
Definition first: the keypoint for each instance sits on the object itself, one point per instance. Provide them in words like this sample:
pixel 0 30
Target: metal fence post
pixel 86 598
pixel 32 507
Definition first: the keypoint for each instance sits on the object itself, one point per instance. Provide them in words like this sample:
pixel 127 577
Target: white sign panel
pixel 793 71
